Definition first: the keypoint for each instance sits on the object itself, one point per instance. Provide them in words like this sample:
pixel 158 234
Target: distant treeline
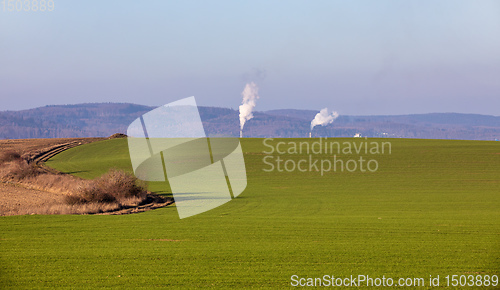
pixel 105 119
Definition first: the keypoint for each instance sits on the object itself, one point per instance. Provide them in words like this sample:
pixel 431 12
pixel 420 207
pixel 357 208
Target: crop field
pixel 432 207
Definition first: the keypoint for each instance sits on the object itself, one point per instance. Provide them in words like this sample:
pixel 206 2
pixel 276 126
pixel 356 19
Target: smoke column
pixel 323 118
pixel 250 96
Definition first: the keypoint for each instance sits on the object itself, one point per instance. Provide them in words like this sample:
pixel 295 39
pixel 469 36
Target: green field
pixel 431 208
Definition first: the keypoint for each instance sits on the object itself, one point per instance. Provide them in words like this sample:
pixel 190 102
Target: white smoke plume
pixel 324 118
pixel 250 96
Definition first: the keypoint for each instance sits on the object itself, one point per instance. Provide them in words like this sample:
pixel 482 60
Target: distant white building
pixel 357 135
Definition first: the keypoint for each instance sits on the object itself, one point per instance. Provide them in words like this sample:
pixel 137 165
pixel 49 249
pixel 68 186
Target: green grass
pixel 94 159
pixel 432 208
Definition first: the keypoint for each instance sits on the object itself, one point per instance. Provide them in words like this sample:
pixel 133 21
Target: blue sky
pixel 355 57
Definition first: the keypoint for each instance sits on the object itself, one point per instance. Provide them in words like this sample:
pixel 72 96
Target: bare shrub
pixel 114 186
pixel 19 169
pixel 89 194
pixel 9 156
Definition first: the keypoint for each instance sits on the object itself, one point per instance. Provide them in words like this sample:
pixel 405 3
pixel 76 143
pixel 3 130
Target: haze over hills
pixel 105 119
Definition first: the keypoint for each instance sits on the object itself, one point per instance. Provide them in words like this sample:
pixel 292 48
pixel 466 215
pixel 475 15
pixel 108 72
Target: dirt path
pixel 45 154
pixel 32 147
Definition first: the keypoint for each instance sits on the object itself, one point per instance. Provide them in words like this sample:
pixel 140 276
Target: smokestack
pixel 250 96
pixel 323 118
pixel 310 134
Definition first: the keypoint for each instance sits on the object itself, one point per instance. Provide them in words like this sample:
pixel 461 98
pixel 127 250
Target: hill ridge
pixel 105 119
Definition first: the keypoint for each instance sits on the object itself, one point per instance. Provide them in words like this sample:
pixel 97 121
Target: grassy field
pixel 431 208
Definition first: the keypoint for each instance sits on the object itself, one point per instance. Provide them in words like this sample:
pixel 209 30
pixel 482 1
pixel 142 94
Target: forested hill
pixel 104 119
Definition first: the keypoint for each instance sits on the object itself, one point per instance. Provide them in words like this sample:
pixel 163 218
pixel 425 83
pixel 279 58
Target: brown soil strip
pixel 15 197
pixel 31 147
pixel 153 202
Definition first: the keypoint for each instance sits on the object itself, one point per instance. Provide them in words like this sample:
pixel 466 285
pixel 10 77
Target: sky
pixel 355 57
